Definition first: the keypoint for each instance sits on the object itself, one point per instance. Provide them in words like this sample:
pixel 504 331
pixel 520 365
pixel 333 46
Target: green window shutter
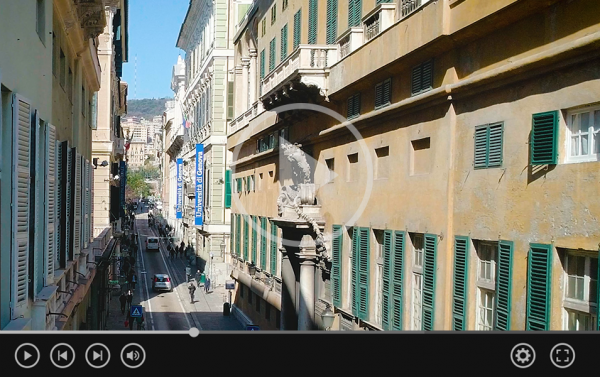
pixel 503 286
pixel 297 28
pixel 313 14
pixel 353 106
pixel 228 189
pixel 481 147
pixel 263 243
pixel 232 233
pixel 284 40
pixel 538 287
pixel 383 1
pixel 246 223
pixel 354 12
pixel 387 92
pixel 386 315
pixel 397 285
pixel 238 235
pixel 336 265
pixel 544 138
pixel 378 95
pixel 422 78
pixel 272 54
pixel 495 132
pixel 332 15
pixel 273 248
pixel 429 268
pixel 363 274
pixel 254 238
pixel 262 64
pixel 459 293
pixel 355 263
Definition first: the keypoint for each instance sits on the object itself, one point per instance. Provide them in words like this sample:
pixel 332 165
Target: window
pixel 544 137
pixel 273 14
pixel 285 5
pixel 382 167
pixel 354 12
pixel 488 145
pixel 581 290
pixel 40 18
pixel 262 64
pixel 417 282
pixel 352 167
pixel 284 39
pixel 297 28
pixel 379 278
pixel 360 272
pixel 330 169
pixel 383 94
pixel 422 78
pixel 583 135
pixel 420 162
pixel 313 14
pixel 332 15
pixel 272 54
pixel 486 284
pixel 353 106
pixel 264 27
pixel 230 98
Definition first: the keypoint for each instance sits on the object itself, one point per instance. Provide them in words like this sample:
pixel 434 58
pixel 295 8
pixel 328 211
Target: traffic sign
pixel 136 311
pixel 252 328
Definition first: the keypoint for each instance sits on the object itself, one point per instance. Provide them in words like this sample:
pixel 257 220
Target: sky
pixel 153 30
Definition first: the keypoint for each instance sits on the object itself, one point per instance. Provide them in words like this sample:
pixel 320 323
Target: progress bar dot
pixel 194 332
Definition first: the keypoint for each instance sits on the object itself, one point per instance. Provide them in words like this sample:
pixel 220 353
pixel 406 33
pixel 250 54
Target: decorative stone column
pixel 289 318
pixel 245 84
pixel 308 260
pixel 253 76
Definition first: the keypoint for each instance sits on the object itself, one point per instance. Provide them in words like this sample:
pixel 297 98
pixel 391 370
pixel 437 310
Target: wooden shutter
pixel 273 254
pixel 59 205
pixel 238 233
pixel 460 285
pixel 246 223
pixel 427 72
pixel 262 64
pixel 349 113
pixel 21 187
pixel 50 203
pixel 272 54
pixel 255 226
pixel 495 144
pixel 284 42
pixel 228 189
pixel 263 243
pixel 313 14
pixel 86 203
pixel 297 28
pixel 397 279
pixel 332 15
pixel 354 12
pixel 378 95
pixel 538 287
pixel 544 138
pixel 481 146
pixel 386 305
pixel 356 105
pixel 232 232
pixel 503 286
pixel 355 263
pixel 363 274
pixel 387 92
pixel 68 200
pixel 77 204
pixel 336 265
pixel 429 269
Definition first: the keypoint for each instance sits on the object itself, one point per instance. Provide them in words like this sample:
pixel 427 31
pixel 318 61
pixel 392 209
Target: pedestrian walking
pixel 133 281
pixel 207 285
pixel 123 301
pixel 129 299
pixel 192 289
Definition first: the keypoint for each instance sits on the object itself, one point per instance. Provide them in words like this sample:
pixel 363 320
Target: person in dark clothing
pixel 130 320
pixel 123 301
pixel 129 299
pixel 207 285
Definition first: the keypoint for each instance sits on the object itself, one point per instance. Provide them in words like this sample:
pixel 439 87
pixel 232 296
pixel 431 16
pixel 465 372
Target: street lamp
pixel 327 316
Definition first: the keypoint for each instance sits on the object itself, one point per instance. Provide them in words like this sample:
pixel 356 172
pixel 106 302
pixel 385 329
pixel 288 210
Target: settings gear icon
pixel 522 355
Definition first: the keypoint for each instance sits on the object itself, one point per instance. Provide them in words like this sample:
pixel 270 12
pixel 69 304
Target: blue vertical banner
pixel 123 182
pixel 199 182
pixel 179 211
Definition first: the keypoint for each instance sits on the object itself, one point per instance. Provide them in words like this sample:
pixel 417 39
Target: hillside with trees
pixel 146 108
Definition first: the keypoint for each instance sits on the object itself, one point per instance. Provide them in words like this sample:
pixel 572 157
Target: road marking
pixel 146 284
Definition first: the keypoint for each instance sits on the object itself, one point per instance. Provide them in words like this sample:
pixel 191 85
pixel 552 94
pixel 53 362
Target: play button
pixel 62 355
pixel 97 355
pixel 27 355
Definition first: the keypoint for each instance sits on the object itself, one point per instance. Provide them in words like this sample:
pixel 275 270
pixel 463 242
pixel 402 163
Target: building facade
pixel 453 177
pixel 207 104
pixel 49 74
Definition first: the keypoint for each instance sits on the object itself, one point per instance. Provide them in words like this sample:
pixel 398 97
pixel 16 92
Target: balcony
pixel 244 119
pixel 409 6
pixel 307 67
pixel 350 41
pixel 378 20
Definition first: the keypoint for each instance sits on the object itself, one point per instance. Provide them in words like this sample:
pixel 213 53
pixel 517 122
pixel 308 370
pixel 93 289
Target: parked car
pixel 162 282
pixel 152 243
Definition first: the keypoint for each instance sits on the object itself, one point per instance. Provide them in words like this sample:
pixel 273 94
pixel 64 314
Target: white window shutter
pixel 77 202
pixel 50 210
pixel 86 192
pixel 21 186
pixel 59 204
pixel 68 203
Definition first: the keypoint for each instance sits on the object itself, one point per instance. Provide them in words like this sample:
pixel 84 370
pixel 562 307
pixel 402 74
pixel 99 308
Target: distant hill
pixel 146 108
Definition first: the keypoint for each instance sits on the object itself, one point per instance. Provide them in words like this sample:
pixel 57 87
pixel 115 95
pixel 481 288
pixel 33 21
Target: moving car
pixel 152 243
pixel 162 282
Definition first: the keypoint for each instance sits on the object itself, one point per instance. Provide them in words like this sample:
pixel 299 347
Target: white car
pixel 162 282
pixel 152 243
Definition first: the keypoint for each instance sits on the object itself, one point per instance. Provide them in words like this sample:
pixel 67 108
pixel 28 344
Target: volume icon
pixel 133 355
